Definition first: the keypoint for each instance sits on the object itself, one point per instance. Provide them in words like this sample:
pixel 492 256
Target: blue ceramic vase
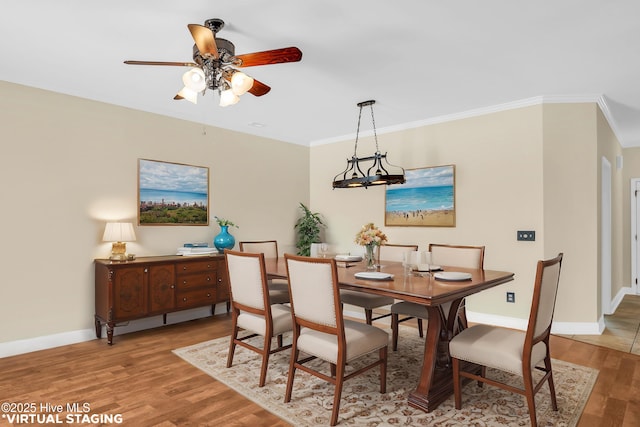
pixel 224 240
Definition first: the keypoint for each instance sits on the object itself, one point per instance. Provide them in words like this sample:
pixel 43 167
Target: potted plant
pixel 308 230
pixel 224 240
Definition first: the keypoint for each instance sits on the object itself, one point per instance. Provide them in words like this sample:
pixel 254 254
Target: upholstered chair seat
pixel 253 312
pixel 517 352
pixel 321 332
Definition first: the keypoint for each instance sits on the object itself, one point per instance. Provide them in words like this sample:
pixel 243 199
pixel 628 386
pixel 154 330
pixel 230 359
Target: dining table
pixel 441 298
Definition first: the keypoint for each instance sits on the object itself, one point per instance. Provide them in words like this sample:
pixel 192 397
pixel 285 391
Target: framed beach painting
pixel 172 193
pixel 427 199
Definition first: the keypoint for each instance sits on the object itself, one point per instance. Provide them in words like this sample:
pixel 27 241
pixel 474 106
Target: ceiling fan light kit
pixel 355 165
pixel 215 65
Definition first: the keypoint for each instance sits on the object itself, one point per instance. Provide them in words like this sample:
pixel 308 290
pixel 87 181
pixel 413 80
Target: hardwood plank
pixel 140 378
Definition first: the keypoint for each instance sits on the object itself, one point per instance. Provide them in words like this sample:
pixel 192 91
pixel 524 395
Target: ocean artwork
pixel 426 199
pixel 172 193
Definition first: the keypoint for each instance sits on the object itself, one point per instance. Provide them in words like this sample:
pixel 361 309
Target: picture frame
pixel 172 193
pixel 427 199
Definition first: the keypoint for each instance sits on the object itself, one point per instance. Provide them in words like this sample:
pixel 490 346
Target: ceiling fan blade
pixel 176 64
pixel 259 88
pixel 205 40
pixel 276 56
pixel 178 96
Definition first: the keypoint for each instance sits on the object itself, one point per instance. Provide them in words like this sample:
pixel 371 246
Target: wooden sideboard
pixel 150 286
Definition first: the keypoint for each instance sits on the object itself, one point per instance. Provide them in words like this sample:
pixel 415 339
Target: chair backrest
pixel 268 247
pixel 315 297
pixel 543 303
pixel 395 252
pixel 457 255
pixel 247 280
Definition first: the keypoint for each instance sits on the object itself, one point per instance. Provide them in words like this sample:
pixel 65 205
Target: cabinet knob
pixel 208 295
pixel 208 278
pixel 172 286
pixel 146 270
pixel 219 280
pixel 184 299
pixel 208 265
pixel 184 267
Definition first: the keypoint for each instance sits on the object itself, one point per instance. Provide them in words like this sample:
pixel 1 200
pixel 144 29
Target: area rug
pixel 363 405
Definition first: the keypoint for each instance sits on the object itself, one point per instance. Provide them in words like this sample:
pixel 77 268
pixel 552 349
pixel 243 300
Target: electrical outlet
pixel 528 236
pixel 511 297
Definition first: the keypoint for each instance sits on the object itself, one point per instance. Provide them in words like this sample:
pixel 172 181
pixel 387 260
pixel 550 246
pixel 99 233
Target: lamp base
pixel 118 251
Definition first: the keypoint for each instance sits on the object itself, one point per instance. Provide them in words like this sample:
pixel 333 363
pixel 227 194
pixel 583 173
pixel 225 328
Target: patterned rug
pixel 363 405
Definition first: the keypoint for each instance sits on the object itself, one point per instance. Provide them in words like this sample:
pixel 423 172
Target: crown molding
pixel 527 102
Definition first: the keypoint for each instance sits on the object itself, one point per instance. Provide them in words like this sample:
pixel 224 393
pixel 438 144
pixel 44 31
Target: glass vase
pixel 370 257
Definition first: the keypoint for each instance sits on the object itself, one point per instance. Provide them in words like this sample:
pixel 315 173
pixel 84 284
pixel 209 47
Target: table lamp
pixel 119 233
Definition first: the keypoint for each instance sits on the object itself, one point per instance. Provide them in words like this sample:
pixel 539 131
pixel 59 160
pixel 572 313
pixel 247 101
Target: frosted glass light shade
pixel 194 79
pixel 189 95
pixel 227 97
pixel 241 83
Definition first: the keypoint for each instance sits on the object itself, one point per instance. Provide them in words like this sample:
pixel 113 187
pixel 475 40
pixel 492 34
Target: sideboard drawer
pixel 196 298
pixel 187 282
pixel 196 267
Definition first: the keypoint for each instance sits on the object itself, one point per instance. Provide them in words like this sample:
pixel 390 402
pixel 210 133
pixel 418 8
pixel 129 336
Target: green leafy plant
pixel 308 230
pixel 222 221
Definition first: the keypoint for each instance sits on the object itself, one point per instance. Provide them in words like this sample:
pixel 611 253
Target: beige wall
pixel 498 161
pixel 571 208
pixel 69 164
pixel 534 168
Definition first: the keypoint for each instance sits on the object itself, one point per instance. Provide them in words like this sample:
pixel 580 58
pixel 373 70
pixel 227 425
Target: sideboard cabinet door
pixel 130 291
pixel 162 288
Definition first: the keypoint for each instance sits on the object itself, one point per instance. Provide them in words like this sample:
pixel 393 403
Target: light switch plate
pixel 528 236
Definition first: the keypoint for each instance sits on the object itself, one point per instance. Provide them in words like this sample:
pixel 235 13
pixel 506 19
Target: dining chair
pixel 278 289
pixel 251 308
pixel 321 332
pixel 510 350
pixel 464 256
pixel 370 302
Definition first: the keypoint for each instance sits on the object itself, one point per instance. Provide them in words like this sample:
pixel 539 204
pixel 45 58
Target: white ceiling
pixel 421 60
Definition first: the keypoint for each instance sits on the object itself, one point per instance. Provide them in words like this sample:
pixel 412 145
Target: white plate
pixel 348 258
pixel 452 275
pixel 373 275
pixel 431 268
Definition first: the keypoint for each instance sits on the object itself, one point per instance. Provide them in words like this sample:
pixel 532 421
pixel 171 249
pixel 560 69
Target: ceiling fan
pixel 215 65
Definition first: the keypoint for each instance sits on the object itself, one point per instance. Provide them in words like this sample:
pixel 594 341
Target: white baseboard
pixel 564 328
pixel 14 348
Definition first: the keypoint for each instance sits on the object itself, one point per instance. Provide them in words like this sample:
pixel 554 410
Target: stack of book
pixel 190 249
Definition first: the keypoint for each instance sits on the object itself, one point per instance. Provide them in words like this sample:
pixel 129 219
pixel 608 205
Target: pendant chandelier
pixel 377 174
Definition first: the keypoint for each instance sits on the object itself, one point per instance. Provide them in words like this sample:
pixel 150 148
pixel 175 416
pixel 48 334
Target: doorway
pixel 605 278
pixel 635 229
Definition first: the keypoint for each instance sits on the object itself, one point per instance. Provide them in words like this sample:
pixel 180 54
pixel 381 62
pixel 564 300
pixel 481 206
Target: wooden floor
pixel 622 328
pixel 139 378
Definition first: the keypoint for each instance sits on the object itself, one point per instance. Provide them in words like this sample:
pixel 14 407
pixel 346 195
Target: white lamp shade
pixel 194 79
pixel 119 232
pixel 227 97
pixel 241 83
pixel 189 95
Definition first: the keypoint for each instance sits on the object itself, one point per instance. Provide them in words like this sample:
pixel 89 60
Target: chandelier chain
pixel 355 148
pixel 375 135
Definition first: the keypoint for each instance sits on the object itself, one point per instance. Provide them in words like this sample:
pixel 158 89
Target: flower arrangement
pixel 370 235
pixel 225 222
